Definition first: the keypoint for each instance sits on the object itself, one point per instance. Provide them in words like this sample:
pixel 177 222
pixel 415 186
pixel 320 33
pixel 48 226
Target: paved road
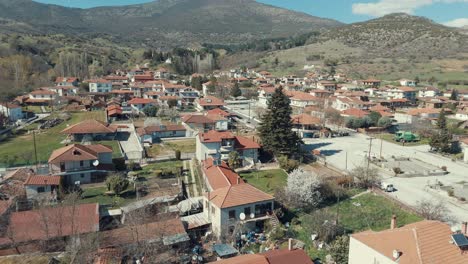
pixel 354 149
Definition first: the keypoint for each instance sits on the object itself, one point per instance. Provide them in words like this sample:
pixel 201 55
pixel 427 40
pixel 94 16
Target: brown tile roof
pixel 43 92
pixel 90 126
pixel 236 195
pixel 77 152
pixel 20 174
pixel 197 119
pixel 218 111
pixel 355 112
pixel 66 79
pixel 305 119
pixel 4 205
pixel 406 89
pixel 141 101
pixel 220 176
pixel 286 256
pixel 421 242
pixel 42 180
pixel 30 225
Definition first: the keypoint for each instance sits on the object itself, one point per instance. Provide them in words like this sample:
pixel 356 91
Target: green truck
pixel 406 136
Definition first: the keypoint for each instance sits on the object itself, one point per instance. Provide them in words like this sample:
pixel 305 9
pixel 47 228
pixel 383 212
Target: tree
pixel 374 117
pixel 303 189
pixel 434 210
pixel 236 91
pixel 172 103
pixel 334 116
pixel 366 177
pixel 276 62
pixel 454 95
pixel 213 84
pixel 384 121
pixel 339 249
pixel 323 223
pixel 442 120
pixel 288 164
pixel 117 184
pixel 234 160
pixel 196 83
pixel 276 126
pixel 150 111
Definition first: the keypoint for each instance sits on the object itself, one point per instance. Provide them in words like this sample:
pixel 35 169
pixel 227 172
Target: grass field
pixel 98 195
pixel 267 180
pixel 185 146
pixel 165 165
pixel 19 149
pixel 365 212
pixel 35 109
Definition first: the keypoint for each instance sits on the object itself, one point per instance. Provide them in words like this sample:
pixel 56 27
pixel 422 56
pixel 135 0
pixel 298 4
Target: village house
pixel 403 92
pixel 41 96
pixel 67 81
pixel 64 90
pixel 423 242
pixel 428 91
pixel 343 103
pixel 326 86
pixel 139 104
pixel 100 86
pixel 223 208
pixel 81 163
pixel 462 94
pixel 162 73
pixel 91 130
pixel 142 78
pixel 153 134
pixel 369 83
pixel 153 95
pixel 305 125
pixel 188 96
pixel 409 83
pixel 301 99
pixel 214 143
pixel 117 80
pixel 288 255
pixel 412 115
pixel 264 95
pixel 205 122
pixel 42 187
pixel 208 103
pixel 12 111
pixel 462 114
pixel 354 112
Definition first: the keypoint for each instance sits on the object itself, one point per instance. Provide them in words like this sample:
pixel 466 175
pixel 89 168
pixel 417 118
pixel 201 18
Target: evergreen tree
pixel 197 83
pixel 276 127
pixel 442 120
pixel 236 91
pixel 454 95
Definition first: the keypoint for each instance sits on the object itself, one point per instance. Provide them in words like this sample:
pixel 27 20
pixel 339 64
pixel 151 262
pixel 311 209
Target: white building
pixel 41 96
pixel 100 86
pixel 428 92
pixel 327 86
pixel 264 95
pixel 409 83
pixel 402 92
pixel 217 144
pixel 12 111
pixel 42 187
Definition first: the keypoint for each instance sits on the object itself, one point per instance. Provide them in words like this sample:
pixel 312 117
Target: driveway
pixel 346 153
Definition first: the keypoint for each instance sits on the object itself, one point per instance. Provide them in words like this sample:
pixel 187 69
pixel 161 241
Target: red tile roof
pixel 215 136
pixel 421 242
pixel 61 221
pixel 197 119
pixel 77 152
pixel 210 101
pixel 141 101
pixel 245 143
pixel 66 79
pixel 355 112
pixel 44 92
pixel 4 205
pixel 305 119
pixel 90 126
pixel 21 174
pixel 42 180
pixel 286 256
pixel 220 176
pixel 218 111
pixel 236 195
pixel 245 259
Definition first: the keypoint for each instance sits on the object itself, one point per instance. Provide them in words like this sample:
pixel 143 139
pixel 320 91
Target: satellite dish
pixel 252 215
pixel 95 163
pixel 242 216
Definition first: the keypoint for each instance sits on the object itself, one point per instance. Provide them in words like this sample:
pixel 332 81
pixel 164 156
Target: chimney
pixel 290 244
pixel 238 181
pixel 393 223
pixel 464 228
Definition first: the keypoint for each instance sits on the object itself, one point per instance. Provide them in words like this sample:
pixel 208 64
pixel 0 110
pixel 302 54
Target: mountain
pixel 400 35
pixel 163 22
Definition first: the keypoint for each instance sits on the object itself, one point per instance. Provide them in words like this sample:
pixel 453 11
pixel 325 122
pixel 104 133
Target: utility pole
pixel 381 145
pixel 369 157
pixel 35 149
pixel 346 161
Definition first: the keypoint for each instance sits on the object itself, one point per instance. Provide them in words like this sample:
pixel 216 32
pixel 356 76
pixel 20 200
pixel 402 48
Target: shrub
pixel 397 170
pixel 444 168
pixel 177 154
pixel 288 164
pixel 117 184
pixel 450 193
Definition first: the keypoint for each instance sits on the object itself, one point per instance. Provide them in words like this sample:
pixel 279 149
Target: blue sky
pixel 450 12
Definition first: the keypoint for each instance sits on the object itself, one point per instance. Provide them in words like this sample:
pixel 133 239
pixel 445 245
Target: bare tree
pixel 434 210
pixel 365 176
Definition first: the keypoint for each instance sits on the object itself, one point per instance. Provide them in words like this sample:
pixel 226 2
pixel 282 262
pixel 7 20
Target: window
pixel 81 163
pixel 232 214
pixel 247 211
pixel 40 189
pixel 82 175
pixel 213 210
pixel 206 205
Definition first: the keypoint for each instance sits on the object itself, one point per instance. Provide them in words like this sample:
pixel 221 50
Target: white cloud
pixel 384 7
pixel 459 22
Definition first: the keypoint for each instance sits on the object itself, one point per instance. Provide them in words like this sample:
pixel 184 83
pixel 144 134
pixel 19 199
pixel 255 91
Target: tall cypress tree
pixel 236 91
pixel 276 127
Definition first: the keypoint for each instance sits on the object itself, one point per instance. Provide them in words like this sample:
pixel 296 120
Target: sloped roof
pixel 20 174
pixel 236 195
pixel 286 256
pixel 421 242
pixel 305 119
pixel 77 152
pixel 30 225
pixel 90 126
pixel 218 111
pixel 355 112
pixel 42 180
pixel 210 101
pixel 141 101
pixel 220 176
pixel 245 143
pixel 215 136
pixel 245 259
pixel 197 119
